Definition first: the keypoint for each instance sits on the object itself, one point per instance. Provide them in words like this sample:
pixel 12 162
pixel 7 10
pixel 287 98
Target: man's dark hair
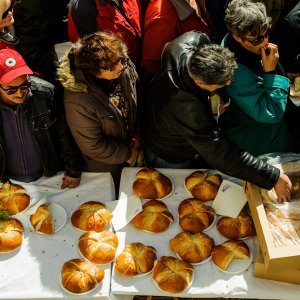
pixel 212 64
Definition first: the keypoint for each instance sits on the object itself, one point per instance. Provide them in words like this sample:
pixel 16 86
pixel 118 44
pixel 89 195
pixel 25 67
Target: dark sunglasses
pixel 259 39
pixel 123 60
pixel 12 90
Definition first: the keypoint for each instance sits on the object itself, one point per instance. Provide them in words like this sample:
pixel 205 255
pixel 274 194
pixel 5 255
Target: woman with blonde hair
pixel 100 100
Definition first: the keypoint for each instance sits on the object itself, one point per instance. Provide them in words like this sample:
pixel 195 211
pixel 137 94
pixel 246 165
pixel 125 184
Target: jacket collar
pixel 183 9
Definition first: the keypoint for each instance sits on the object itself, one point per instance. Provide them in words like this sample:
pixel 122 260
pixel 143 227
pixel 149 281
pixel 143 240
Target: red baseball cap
pixel 12 65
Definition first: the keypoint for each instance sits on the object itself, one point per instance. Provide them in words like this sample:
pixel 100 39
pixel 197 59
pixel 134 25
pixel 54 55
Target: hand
pixel 283 188
pixel 135 151
pixel 7 21
pixel 69 182
pixel 269 60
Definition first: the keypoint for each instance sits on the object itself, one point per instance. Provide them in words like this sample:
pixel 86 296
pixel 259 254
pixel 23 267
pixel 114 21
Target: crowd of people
pixel 137 83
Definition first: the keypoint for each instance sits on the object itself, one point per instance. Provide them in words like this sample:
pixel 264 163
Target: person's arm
pixel 263 99
pixel 86 127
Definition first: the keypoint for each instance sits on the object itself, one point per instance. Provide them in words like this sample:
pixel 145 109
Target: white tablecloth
pixel 33 271
pixel 208 281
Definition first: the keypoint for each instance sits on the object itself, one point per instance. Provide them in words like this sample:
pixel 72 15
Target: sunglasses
pixel 12 90
pixel 259 39
pixel 123 60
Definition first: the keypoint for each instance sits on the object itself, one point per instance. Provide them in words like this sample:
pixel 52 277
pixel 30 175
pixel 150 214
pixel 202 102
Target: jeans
pixel 157 162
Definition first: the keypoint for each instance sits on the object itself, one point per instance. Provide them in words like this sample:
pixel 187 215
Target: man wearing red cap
pixel 34 137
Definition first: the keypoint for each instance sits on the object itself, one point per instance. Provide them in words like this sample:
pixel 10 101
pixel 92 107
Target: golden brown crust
pixel 192 247
pixel 150 184
pixel 98 247
pixel 194 216
pixel 223 255
pixel 154 217
pixel 236 228
pixel 11 235
pixel 42 219
pixel 13 198
pixel 203 185
pixel 171 274
pixel 79 276
pixel 91 216
pixel 135 259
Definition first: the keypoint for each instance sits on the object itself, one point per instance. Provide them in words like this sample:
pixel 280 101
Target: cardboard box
pixel 284 276
pixel 275 258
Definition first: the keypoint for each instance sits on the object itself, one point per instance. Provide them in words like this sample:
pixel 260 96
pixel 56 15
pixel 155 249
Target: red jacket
pixel 164 21
pixel 88 16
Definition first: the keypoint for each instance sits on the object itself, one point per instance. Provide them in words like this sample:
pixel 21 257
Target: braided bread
pixel 194 216
pixel 150 184
pixel 154 217
pixel 203 185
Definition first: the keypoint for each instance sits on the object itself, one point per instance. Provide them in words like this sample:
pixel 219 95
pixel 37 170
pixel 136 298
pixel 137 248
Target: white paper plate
pixel 209 227
pixel 97 265
pixel 189 285
pixel 238 265
pixel 77 294
pixel 60 218
pixel 142 274
pixel 198 263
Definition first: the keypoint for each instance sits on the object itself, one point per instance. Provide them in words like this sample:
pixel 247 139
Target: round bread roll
pixel 236 228
pixel 194 216
pixel 11 235
pixel 13 198
pixel 150 184
pixel 203 185
pixel 98 247
pixel 42 219
pixel 135 259
pixel 91 216
pixel 171 274
pixel 79 276
pixel 192 247
pixel 224 254
pixel 154 217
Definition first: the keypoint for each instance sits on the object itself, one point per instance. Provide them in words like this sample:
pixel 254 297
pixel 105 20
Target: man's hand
pixel 7 21
pixel 269 57
pixel 69 182
pixel 135 151
pixel 283 188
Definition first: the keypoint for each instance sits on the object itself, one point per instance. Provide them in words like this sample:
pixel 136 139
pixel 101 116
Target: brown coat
pixel 97 127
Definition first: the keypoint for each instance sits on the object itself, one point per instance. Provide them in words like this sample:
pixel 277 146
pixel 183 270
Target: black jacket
pixel 52 136
pixel 179 123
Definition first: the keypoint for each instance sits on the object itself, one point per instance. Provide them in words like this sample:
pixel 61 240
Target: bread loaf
pixel 172 275
pixel 192 247
pixel 297 84
pixel 13 198
pixel 194 216
pixel 236 228
pixel 42 219
pixel 79 276
pixel 11 235
pixel 154 217
pixel 150 184
pixel 224 254
pixel 135 259
pixel 98 247
pixel 91 216
pixel 203 185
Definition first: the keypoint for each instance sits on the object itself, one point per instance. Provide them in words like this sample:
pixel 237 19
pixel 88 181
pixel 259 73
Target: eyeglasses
pixel 12 90
pixel 259 39
pixel 123 60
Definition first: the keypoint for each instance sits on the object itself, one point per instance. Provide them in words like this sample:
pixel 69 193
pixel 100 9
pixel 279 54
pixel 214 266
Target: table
pixel 209 282
pixel 33 271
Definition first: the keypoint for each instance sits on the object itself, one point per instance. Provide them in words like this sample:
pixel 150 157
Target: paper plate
pixel 198 263
pixel 238 265
pixel 189 285
pixel 77 294
pixel 60 218
pixel 97 265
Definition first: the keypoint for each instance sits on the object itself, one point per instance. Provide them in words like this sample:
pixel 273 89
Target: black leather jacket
pixel 179 124
pixel 52 136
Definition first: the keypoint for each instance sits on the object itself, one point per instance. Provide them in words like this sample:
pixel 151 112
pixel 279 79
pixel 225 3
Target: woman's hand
pixel 135 151
pixel 7 21
pixel 283 188
pixel 69 182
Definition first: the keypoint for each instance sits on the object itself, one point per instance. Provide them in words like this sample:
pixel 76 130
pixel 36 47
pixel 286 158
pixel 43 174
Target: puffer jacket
pixel 51 134
pixel 179 124
pixel 97 127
